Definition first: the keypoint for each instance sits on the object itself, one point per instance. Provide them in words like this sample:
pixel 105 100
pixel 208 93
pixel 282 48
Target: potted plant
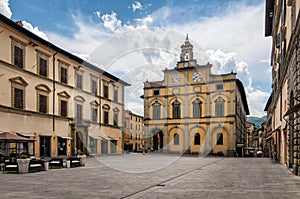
pixel 82 157
pixel 23 163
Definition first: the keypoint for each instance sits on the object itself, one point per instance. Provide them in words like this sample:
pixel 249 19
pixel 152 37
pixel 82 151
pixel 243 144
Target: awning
pixel 114 138
pixel 8 137
pixel 26 134
pixel 292 109
pixel 97 138
pixel 65 137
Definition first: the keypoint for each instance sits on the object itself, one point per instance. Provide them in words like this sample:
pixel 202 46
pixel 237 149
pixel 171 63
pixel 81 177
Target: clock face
pixel 176 78
pixel 197 76
pixel 186 64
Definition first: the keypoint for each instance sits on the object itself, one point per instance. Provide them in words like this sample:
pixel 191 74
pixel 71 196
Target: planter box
pixel 23 165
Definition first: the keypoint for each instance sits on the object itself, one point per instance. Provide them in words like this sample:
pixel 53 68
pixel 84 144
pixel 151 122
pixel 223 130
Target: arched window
pixel 197 108
pixel 176 109
pixel 220 139
pixel 219 107
pixel 156 110
pixel 176 139
pixel 197 139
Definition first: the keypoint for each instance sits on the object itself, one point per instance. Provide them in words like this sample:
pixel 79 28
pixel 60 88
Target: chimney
pixel 19 23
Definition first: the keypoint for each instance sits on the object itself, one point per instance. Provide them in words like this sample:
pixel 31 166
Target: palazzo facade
pixel 64 104
pixel 194 111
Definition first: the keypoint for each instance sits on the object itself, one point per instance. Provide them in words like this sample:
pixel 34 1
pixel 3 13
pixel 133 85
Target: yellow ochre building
pixel 194 111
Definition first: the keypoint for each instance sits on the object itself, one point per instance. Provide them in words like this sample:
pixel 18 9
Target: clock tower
pixel 186 56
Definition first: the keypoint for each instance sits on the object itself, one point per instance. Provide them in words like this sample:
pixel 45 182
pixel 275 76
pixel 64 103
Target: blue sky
pixel 227 33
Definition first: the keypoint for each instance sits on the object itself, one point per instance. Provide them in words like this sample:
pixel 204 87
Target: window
pixel 176 109
pixel 18 85
pixel 219 86
pixel 105 117
pixel 105 91
pixel 293 17
pixel 43 67
pixel 176 139
pixel 197 139
pixel 116 93
pixel 18 98
pixel 125 124
pixel 277 41
pixel 156 111
pixel 63 108
pixel 197 108
pixel 79 80
pixel 18 52
pixel 43 103
pixel 79 113
pixel 116 119
pixel 94 86
pixel 155 92
pixel 187 56
pixel 219 139
pixel 94 114
pixel 219 107
pixel 63 75
pixel 63 98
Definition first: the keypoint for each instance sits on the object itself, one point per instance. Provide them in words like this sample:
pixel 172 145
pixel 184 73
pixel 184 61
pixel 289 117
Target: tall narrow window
pixel 197 108
pixel 176 109
pixel 116 93
pixel 18 57
pixel 18 98
pixel 63 108
pixel 220 139
pixel 94 86
pixel 94 114
pixel 116 119
pixel 176 139
pixel 79 80
pixel 116 116
pixel 106 119
pixel 197 139
pixel 156 111
pixel 219 107
pixel 43 104
pixel 105 91
pixel 79 113
pixel 63 75
pixel 43 67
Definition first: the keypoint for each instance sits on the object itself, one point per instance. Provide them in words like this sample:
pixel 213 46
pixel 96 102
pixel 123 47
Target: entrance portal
pixel 79 142
pixel 158 140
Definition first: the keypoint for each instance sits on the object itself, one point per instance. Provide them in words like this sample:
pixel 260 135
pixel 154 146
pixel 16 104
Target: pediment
pixel 43 87
pixel 63 94
pixel 19 80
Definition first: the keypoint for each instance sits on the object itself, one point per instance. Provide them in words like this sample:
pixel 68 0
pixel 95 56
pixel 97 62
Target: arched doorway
pixel 158 138
pixel 79 142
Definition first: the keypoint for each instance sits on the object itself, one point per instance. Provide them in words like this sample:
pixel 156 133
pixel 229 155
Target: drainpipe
pixel 53 97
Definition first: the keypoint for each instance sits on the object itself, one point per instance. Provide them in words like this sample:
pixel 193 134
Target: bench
pixel 74 161
pixel 11 166
pixel 36 165
pixel 57 162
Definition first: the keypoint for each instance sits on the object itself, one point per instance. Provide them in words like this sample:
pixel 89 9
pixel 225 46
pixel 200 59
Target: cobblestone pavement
pixel 157 176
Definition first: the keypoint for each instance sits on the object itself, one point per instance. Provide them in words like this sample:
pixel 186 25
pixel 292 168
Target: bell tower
pixel 186 56
pixel 186 50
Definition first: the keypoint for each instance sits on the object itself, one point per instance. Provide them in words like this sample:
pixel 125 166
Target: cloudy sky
pixel 136 40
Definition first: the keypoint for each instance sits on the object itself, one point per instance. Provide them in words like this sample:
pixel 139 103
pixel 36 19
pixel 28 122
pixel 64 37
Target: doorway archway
pixel 157 140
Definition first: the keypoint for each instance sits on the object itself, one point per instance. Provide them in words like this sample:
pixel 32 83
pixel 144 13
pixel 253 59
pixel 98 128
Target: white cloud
pixel 227 62
pixel 136 6
pixel 111 22
pixel 4 8
pixel 35 30
pixel 98 14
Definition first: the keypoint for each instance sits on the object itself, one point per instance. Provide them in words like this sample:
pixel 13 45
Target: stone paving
pixel 157 176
